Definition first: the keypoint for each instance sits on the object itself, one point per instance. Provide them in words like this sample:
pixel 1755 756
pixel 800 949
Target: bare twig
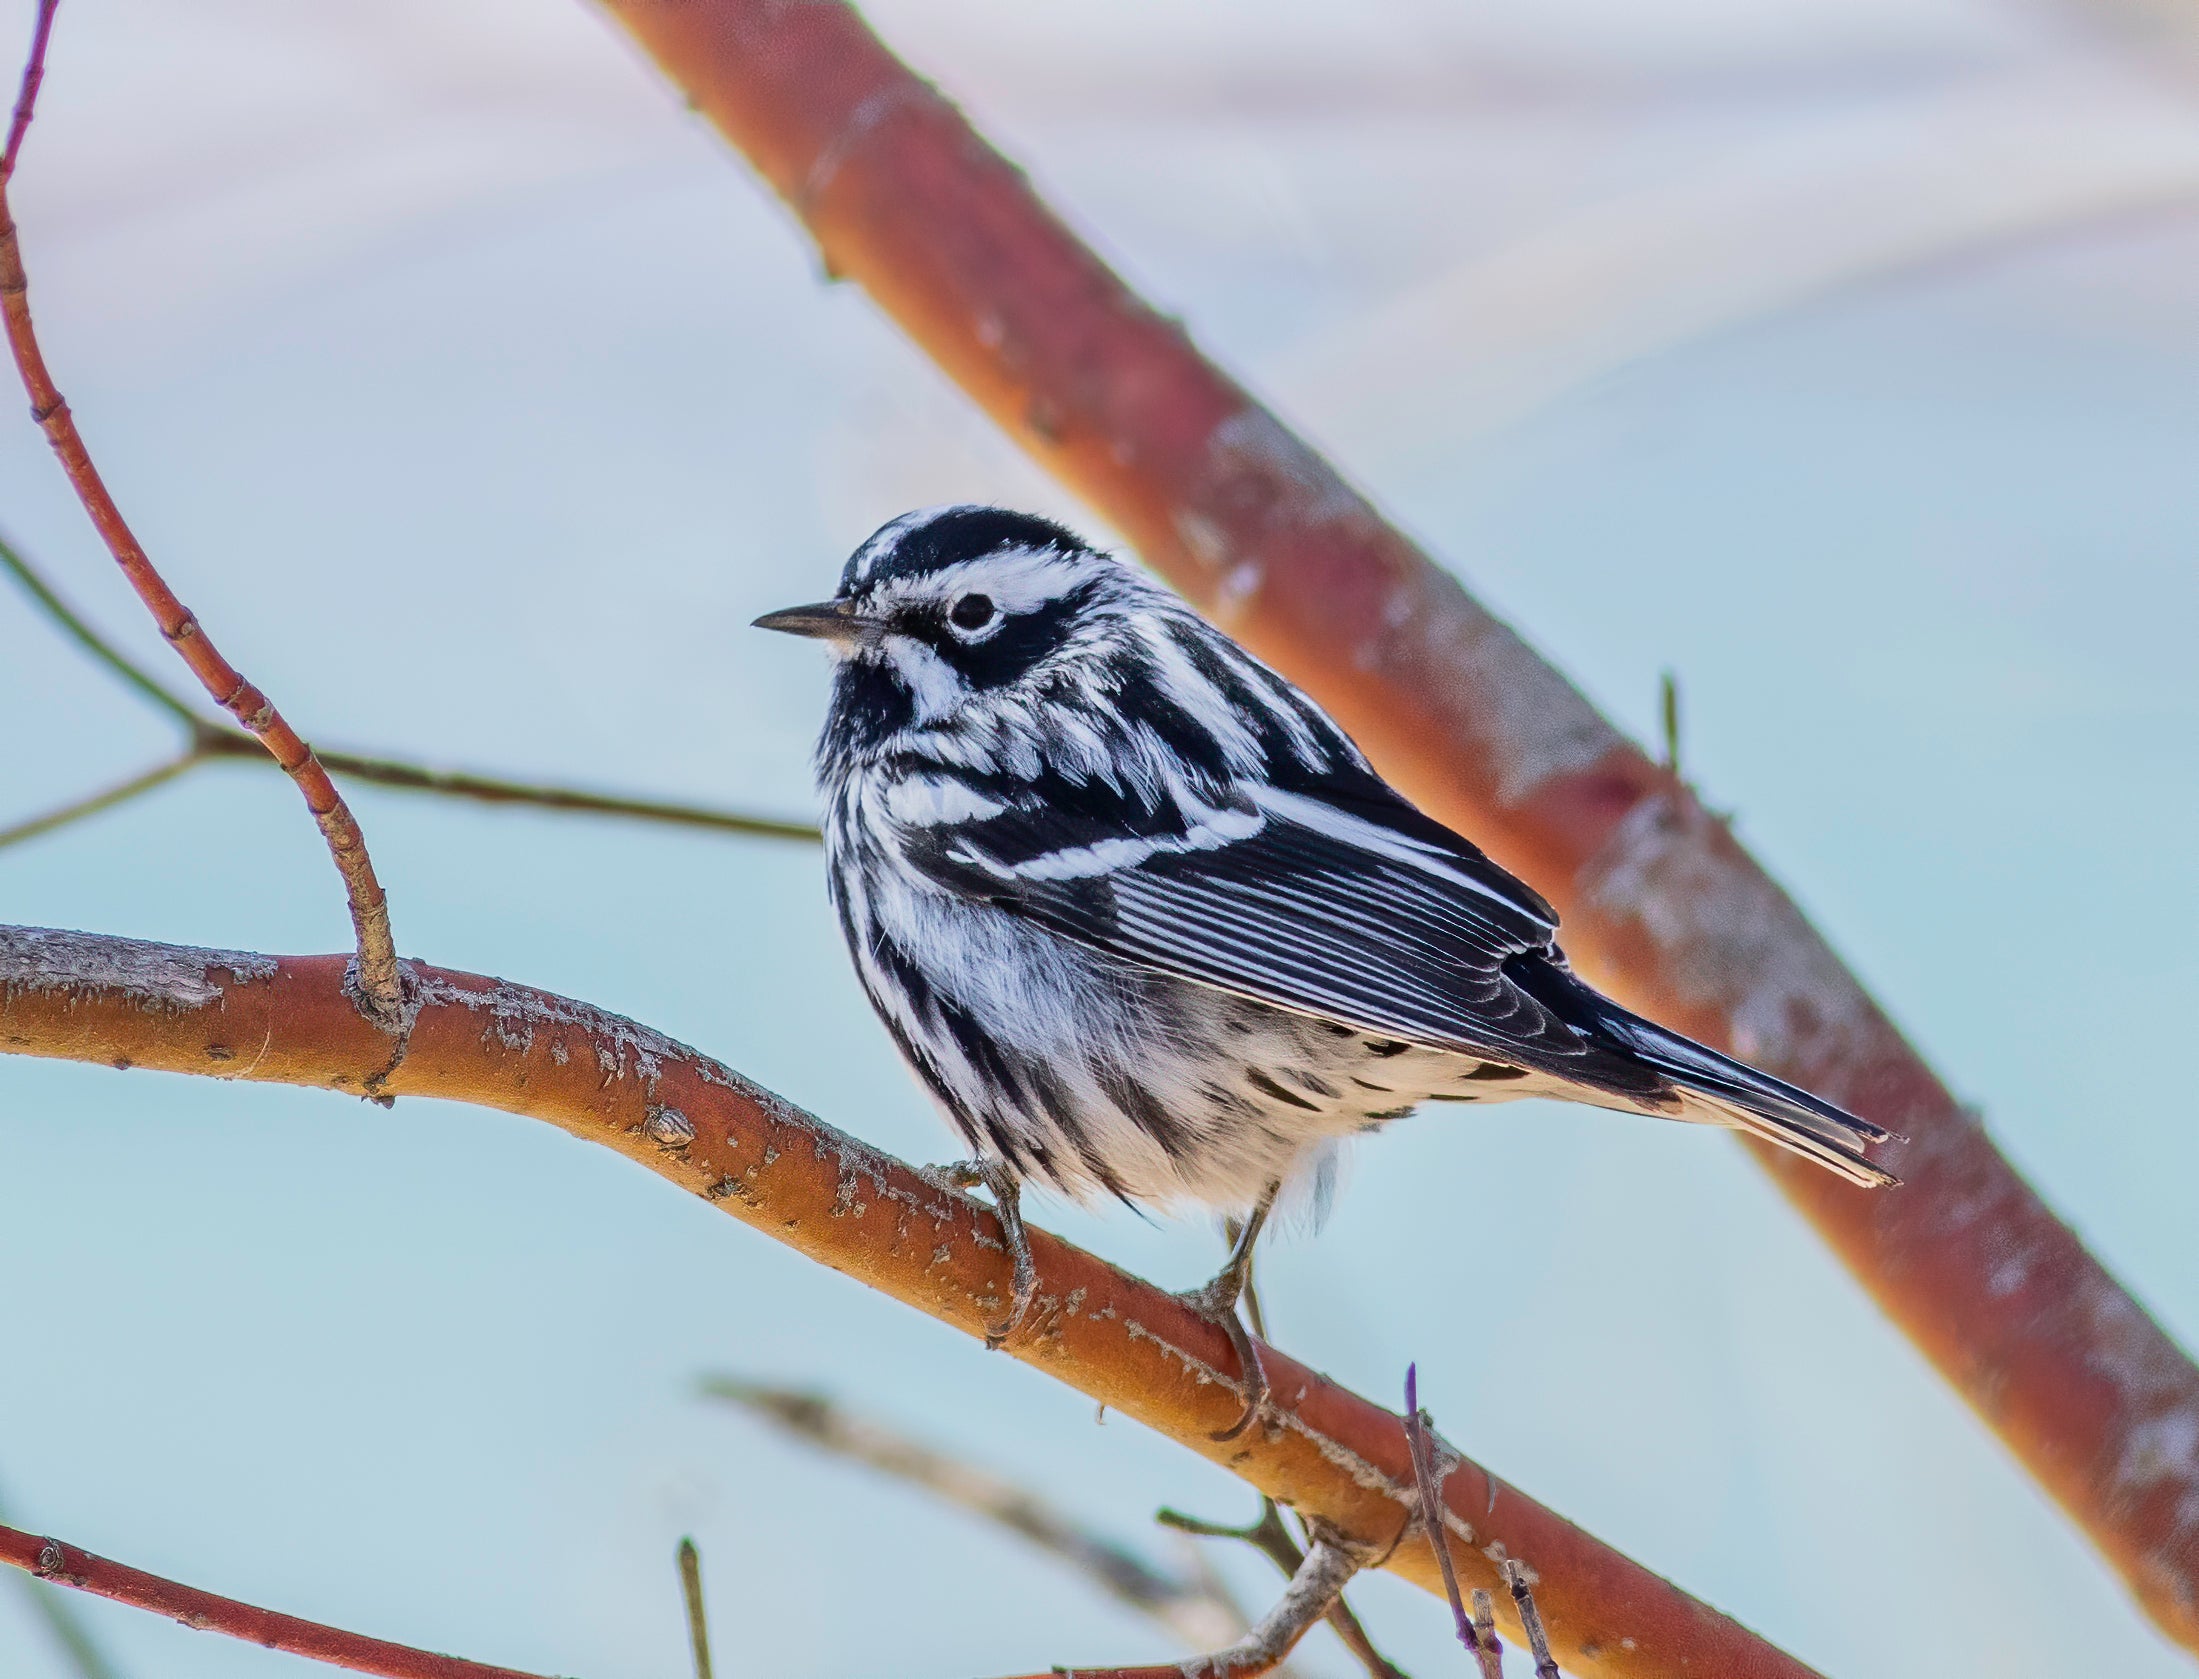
pixel 380 987
pixel 1328 1565
pixel 49 601
pixel 1485 1627
pixel 34 76
pixel 211 741
pixel 65 1565
pixel 1273 1540
pixel 1418 1432
pixel 1530 1618
pixel 1190 1608
pixel 904 197
pixel 68 1630
pixel 489 789
pixel 1668 719
pixel 698 1629
pixel 1144 1352
pixel 122 792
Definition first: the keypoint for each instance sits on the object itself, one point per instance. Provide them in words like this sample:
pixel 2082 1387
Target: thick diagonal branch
pixel 1142 1352
pixel 1660 901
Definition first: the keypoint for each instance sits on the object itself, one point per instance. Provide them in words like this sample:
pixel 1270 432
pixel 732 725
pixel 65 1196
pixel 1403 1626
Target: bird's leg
pixel 1006 1190
pixel 1217 1302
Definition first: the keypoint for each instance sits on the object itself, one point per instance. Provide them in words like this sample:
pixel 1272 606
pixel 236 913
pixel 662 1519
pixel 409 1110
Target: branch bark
pixel 65 1565
pixel 1661 903
pixel 1336 1457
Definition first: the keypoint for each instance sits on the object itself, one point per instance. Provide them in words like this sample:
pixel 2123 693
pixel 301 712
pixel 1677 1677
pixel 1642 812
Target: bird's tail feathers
pixel 1724 1091
pixel 1712 1088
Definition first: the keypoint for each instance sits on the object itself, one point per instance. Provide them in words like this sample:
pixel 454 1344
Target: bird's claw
pixel 1007 1194
pixel 1217 1303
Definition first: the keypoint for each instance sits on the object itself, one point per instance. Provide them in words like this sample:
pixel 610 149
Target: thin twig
pixel 26 99
pixel 1418 1430
pixel 82 633
pixel 489 789
pixel 1189 1607
pixel 1485 1627
pixel 122 792
pixel 1273 1540
pixel 211 740
pixel 59 1614
pixel 1668 717
pixel 698 1629
pixel 65 1565
pixel 380 987
pixel 1321 1575
pixel 68 1630
pixel 1530 1618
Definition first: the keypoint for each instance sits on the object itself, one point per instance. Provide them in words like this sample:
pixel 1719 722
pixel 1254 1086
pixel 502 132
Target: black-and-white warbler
pixel 1147 924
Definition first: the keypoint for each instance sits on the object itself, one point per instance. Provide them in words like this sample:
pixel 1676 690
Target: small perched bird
pixel 1148 925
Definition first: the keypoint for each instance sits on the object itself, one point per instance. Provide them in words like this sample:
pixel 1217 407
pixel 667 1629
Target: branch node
pixel 395 1013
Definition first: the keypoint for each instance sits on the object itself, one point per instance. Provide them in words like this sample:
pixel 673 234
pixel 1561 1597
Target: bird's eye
pixel 971 612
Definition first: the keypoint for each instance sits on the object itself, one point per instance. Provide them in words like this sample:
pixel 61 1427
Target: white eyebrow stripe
pixel 1018 579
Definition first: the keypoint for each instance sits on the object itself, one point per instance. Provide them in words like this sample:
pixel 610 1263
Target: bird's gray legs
pixel 1218 1303
pixel 1006 1190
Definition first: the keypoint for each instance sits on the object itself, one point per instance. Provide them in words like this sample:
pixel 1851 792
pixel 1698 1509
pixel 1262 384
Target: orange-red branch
pixel 26 97
pixel 1660 901
pixel 1137 1350
pixel 65 1565
pixel 378 981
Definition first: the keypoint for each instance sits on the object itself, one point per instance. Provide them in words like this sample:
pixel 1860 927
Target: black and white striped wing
pixel 1340 902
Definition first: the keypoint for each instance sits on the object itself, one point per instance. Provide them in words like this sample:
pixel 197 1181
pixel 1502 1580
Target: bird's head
pixel 960 610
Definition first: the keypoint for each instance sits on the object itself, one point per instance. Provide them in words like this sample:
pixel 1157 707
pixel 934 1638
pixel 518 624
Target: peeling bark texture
pixel 1661 905
pixel 1336 1457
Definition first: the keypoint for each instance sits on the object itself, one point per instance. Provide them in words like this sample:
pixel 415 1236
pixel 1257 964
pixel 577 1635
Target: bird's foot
pixel 1217 1303
pixel 1007 1193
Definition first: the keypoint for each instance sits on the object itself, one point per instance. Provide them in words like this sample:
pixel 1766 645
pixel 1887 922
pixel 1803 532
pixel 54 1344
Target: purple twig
pixel 1431 1521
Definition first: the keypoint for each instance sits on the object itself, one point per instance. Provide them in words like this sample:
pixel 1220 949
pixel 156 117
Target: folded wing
pixel 1334 899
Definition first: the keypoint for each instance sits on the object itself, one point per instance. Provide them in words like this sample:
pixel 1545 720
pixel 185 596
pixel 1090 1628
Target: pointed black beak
pixel 827 620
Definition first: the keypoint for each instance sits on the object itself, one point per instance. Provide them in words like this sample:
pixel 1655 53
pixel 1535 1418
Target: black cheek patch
pixel 870 703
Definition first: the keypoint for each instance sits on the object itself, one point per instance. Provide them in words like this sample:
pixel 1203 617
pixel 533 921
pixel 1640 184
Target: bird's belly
pixel 1099 1077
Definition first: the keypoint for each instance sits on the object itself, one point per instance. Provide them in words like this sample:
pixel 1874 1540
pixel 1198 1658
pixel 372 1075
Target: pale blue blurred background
pixel 1840 355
